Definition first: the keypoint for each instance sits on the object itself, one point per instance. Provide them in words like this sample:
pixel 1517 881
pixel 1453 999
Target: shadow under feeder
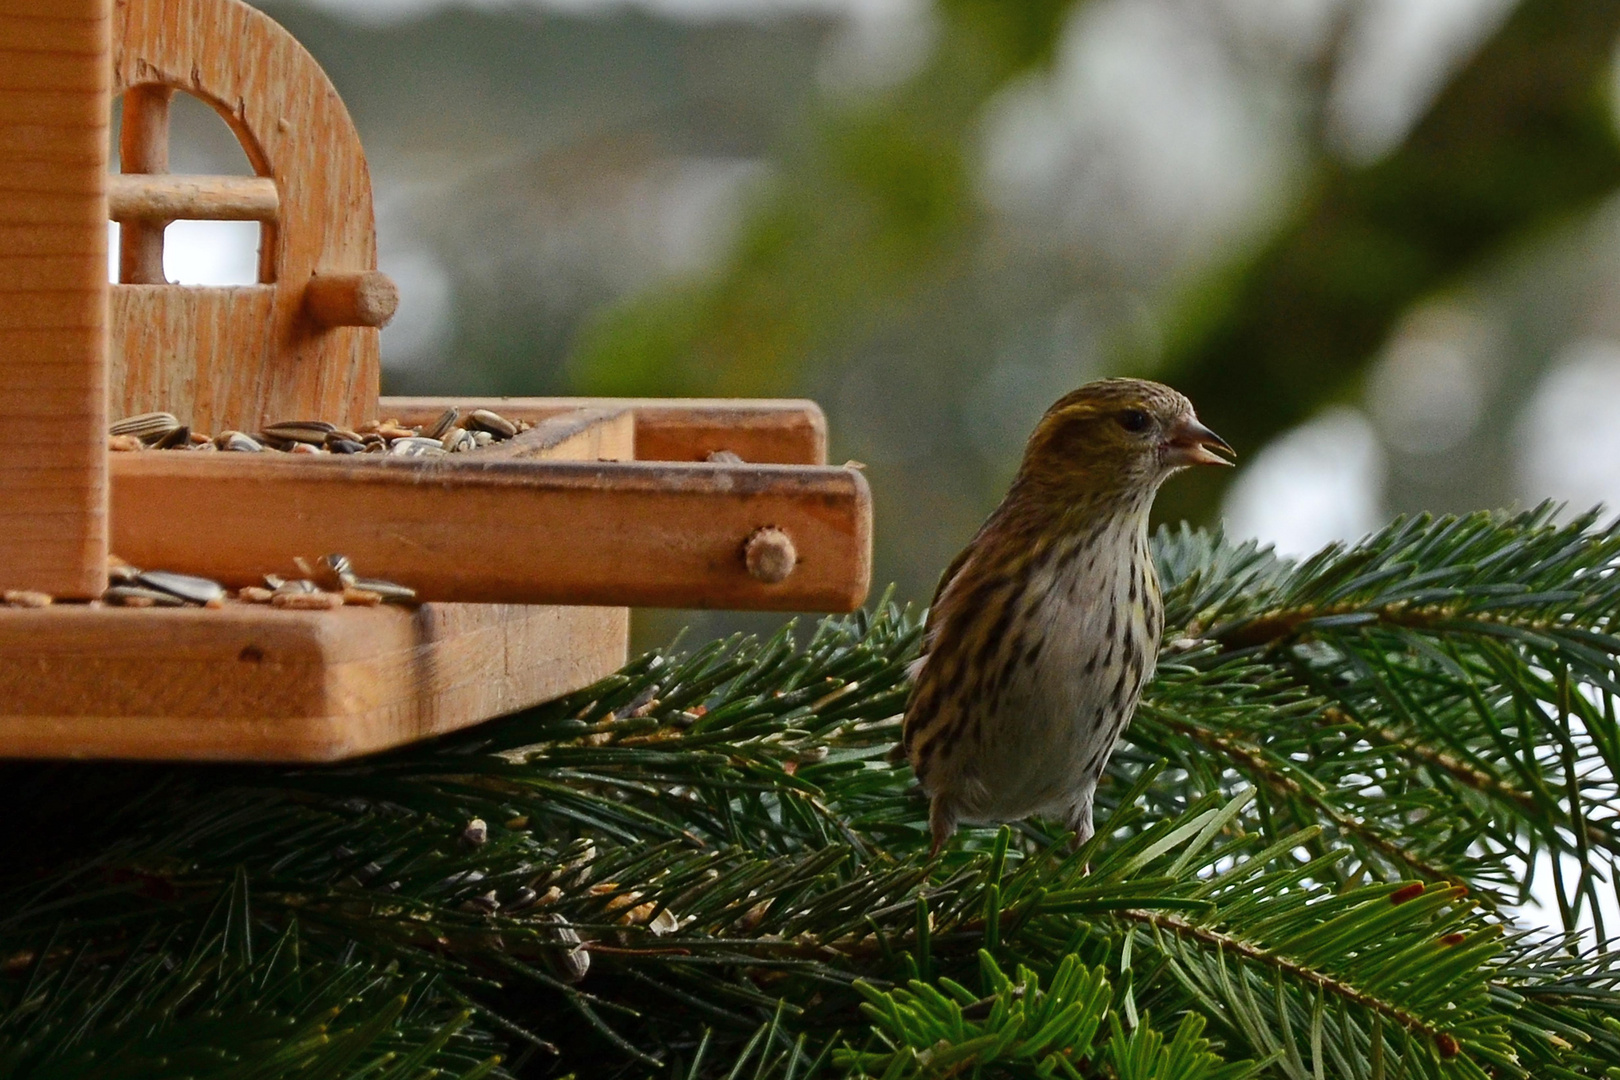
pixel 529 552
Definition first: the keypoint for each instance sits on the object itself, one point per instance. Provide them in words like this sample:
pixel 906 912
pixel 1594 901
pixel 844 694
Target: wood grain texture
pixel 250 683
pixel 53 295
pixel 771 431
pixel 503 531
pixel 242 358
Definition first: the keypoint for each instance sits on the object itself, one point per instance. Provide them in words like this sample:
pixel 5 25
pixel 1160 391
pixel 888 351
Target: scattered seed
pixel 124 443
pixel 180 436
pixel 361 597
pixel 441 427
pixel 302 601
pixel 494 423
pixel 305 448
pixel 28 598
pixel 346 446
pixel 146 426
pixel 311 432
pixel 244 444
pixel 195 590
pixel 334 572
pixel 415 446
pixel 390 592
pixel 253 594
pixel 522 899
pixel 482 905
pixel 139 596
pixel 475 833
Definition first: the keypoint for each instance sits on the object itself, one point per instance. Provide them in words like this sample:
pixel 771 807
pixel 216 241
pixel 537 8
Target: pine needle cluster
pixel 1314 856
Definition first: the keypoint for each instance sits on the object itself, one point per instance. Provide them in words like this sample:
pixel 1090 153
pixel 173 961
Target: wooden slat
pixel 53 164
pixel 768 431
pixel 251 683
pixel 460 528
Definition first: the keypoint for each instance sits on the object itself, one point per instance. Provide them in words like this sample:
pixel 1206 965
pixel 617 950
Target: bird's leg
pixel 941 822
pixel 1080 824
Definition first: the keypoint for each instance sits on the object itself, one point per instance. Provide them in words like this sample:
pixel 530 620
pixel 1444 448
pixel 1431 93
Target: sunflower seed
pixel 482 905
pixel 293 585
pixel 482 438
pixel 195 590
pixel 441 427
pixel 180 436
pixel 334 572
pixel 136 596
pixel 571 962
pixel 305 448
pixel 494 423
pixel 28 598
pixel 124 443
pixel 523 898
pixel 245 444
pixel 459 440
pixel 313 432
pixel 146 426
pixel 361 597
pixel 475 833
pixel 390 592
pixel 253 594
pixel 416 446
pixel 346 446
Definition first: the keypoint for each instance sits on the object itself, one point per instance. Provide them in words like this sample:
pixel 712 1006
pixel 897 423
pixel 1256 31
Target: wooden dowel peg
pixel 136 197
pixel 351 298
pixel 770 555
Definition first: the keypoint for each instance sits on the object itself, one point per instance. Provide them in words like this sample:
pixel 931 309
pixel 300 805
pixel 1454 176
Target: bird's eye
pixel 1134 421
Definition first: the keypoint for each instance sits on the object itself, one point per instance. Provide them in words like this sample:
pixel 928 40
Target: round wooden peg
pixel 351 298
pixel 770 555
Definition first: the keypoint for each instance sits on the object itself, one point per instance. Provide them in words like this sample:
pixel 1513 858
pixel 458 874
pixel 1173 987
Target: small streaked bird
pixel 1046 627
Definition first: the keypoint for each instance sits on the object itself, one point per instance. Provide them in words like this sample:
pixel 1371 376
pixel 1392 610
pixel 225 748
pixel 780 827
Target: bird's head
pixel 1117 438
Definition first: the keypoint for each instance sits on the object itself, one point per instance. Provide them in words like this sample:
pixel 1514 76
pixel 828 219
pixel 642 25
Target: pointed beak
pixel 1190 443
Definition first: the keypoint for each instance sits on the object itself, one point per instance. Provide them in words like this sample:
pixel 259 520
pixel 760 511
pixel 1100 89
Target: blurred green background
pixel 1374 240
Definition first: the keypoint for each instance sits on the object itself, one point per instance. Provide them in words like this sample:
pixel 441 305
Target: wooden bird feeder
pixel 526 554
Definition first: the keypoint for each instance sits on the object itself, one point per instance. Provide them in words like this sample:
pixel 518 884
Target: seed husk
pixel 180 436
pixel 361 597
pixel 313 432
pixel 124 443
pixel 416 446
pixel 458 441
pixel 244 444
pixel 302 601
pixel 388 590
pixel 304 448
pixel 28 598
pixel 441 427
pixel 254 594
pixel 334 572
pixel 346 446
pixel 146 426
pixel 195 590
pixel 293 585
pixel 140 596
pixel 494 423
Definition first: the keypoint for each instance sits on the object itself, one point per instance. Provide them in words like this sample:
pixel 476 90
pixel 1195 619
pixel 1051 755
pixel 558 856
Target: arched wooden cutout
pixel 244 356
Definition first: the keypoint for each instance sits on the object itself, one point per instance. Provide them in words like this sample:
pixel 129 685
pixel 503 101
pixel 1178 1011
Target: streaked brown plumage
pixel 1046 627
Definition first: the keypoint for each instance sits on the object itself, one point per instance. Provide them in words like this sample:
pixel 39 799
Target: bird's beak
pixel 1190 443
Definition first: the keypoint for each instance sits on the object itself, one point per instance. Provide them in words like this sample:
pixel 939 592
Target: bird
pixel 1045 628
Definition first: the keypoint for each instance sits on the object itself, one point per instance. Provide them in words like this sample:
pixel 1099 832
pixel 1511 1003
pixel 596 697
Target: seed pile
pixel 332 583
pixel 453 432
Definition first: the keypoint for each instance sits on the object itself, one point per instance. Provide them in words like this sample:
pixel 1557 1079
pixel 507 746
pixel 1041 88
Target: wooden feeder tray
pixel 527 554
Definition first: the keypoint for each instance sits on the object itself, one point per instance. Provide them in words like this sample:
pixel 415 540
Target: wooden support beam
pixel 133 197
pixel 641 534
pixel 54 93
pixel 767 431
